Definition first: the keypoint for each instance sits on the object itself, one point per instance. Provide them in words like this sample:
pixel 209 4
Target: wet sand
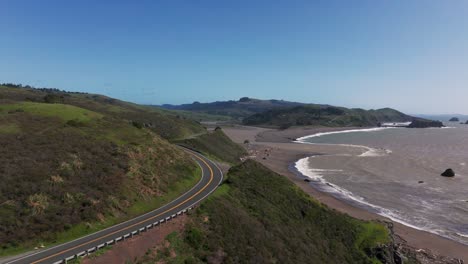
pixel 275 150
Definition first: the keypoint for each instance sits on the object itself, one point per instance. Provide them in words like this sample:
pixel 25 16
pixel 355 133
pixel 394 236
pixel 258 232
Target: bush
pixel 194 237
pixel 137 124
pixel 53 98
pixel 75 123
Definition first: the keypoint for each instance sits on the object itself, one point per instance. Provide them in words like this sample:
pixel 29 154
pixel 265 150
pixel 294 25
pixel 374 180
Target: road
pixel 211 178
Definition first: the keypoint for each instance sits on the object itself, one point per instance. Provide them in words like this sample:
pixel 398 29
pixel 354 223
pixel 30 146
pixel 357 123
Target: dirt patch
pixel 136 247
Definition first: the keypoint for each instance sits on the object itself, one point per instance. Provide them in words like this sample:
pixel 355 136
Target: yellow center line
pixel 186 200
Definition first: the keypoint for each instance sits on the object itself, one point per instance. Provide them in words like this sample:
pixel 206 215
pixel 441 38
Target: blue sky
pixel 410 55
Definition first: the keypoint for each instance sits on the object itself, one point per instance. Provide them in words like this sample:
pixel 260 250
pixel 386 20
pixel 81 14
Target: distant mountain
pixel 242 108
pixel 324 115
pixel 280 113
pixel 444 117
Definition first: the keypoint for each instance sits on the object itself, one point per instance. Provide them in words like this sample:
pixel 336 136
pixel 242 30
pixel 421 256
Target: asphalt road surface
pixel 211 178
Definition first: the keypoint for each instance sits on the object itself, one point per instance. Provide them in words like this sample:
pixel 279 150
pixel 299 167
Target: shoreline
pixel 277 150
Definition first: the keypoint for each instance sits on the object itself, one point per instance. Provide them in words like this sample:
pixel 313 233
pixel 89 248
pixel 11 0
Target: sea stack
pixel 454 119
pixel 448 173
pixel 421 123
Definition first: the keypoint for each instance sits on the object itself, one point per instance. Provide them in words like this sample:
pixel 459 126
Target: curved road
pixel 211 178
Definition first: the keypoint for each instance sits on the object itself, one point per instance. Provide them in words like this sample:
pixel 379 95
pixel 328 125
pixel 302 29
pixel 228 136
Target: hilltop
pixel 166 124
pixel 74 163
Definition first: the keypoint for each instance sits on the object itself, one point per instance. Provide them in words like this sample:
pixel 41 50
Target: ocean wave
pixel 318 180
pixel 304 168
pixel 370 152
pixel 301 139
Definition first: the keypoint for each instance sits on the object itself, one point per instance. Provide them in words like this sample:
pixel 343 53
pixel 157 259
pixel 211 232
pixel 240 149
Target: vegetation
pixel 75 163
pixel 166 124
pixel 325 116
pixel 235 110
pixel 217 145
pixel 258 216
pixel 283 114
pixel 200 116
pixel 62 111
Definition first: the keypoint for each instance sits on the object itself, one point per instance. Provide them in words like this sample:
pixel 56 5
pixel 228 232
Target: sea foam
pixel 303 167
pixel 317 179
pixel 369 152
pixel 301 139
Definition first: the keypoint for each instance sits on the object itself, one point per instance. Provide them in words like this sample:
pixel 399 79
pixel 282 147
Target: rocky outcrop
pixel 448 173
pixel 421 123
pixel 454 119
pixel 399 252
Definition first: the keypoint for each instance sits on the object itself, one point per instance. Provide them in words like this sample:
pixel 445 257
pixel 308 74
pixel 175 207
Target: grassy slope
pixel 325 116
pixel 198 116
pixel 216 145
pixel 257 216
pixel 74 167
pixel 167 124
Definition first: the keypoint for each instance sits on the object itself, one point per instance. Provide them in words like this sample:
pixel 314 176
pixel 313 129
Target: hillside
pixel 258 216
pixel 76 163
pixel 237 110
pixel 167 124
pixel 216 145
pixel 318 115
pixel 283 114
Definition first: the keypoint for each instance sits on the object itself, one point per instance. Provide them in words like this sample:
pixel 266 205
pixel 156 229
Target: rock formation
pixel 421 123
pixel 448 173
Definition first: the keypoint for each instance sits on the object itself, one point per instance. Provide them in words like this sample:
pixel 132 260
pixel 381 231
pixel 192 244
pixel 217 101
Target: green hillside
pixel 279 113
pixel 167 124
pixel 75 163
pixel 216 145
pixel 319 115
pixel 258 216
pixel 235 110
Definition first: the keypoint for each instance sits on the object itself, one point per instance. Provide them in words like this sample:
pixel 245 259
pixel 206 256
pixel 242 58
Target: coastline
pixel 276 150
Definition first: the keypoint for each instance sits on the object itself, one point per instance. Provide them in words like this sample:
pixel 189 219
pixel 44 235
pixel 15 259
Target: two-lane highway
pixel 211 178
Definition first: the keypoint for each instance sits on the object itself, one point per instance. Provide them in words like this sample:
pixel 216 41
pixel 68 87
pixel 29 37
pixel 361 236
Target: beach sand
pixel 275 149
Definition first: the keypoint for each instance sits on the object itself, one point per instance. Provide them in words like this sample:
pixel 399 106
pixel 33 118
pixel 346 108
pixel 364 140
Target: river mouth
pixel 396 174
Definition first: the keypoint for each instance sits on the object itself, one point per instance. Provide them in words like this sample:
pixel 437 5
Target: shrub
pixel 137 124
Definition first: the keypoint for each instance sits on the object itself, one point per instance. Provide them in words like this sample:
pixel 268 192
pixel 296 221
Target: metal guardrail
pixel 121 238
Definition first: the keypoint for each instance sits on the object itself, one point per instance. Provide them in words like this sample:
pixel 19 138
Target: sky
pixel 407 54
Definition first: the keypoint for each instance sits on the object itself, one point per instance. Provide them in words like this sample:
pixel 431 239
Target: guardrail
pixel 121 238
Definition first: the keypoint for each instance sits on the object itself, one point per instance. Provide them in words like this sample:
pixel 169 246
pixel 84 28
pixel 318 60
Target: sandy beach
pixel 275 149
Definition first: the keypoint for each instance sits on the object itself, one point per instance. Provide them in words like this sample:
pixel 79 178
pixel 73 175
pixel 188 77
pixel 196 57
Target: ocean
pixel 395 172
